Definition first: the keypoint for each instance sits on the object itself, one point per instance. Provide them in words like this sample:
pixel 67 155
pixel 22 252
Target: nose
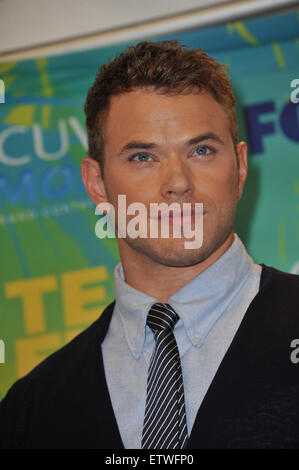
pixel 177 185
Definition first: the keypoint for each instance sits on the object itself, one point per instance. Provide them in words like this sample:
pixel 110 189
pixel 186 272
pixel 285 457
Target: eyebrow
pixel 208 136
pixel 135 144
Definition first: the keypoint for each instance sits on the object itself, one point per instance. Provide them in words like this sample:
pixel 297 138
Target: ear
pixel 93 181
pixel 243 165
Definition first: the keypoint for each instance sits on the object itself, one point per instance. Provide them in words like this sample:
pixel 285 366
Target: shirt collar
pixel 199 303
pixel 133 307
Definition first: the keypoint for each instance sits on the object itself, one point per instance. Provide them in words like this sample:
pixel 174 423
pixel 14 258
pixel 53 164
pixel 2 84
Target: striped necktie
pixel 164 424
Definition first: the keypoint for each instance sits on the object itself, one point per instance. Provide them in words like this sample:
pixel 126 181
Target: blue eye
pixel 202 150
pixel 143 157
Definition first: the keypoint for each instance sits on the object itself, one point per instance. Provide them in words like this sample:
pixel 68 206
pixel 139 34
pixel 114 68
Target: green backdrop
pixel 56 276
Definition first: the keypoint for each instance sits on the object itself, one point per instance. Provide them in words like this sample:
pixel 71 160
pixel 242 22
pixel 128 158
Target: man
pixel 195 350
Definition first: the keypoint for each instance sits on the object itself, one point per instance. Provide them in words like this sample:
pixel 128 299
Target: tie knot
pixel 161 317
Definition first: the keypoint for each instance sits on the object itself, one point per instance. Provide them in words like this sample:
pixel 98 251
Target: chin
pixel 170 252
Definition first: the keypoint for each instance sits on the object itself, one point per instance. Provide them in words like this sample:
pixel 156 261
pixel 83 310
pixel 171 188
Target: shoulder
pixel 53 377
pixel 77 351
pixel 273 275
pixel 279 283
pixel 277 302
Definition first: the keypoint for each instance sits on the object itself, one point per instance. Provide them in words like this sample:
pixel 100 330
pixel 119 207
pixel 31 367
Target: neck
pixel 160 281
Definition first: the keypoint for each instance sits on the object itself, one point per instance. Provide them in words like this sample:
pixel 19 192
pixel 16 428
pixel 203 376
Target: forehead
pixel 144 111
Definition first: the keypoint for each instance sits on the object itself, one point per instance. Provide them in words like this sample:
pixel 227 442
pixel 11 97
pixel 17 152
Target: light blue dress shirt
pixel 211 307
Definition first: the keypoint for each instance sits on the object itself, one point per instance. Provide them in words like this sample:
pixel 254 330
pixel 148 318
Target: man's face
pixel 162 148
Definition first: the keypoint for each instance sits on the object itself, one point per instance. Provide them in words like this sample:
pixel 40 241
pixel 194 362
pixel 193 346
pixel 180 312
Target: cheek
pixel 228 182
pixel 229 192
pixel 120 182
pixel 116 181
pixel 222 187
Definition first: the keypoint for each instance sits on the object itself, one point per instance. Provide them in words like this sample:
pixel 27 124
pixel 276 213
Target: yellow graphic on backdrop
pixel 47 89
pixel 278 54
pixel 31 292
pixel 243 32
pixel 81 293
pixel 21 115
pixel 76 298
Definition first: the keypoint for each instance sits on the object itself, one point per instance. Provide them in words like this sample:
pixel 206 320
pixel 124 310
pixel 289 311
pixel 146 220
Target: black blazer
pixel 253 401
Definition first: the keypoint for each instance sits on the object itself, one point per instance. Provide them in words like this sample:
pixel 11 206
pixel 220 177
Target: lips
pixel 178 214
